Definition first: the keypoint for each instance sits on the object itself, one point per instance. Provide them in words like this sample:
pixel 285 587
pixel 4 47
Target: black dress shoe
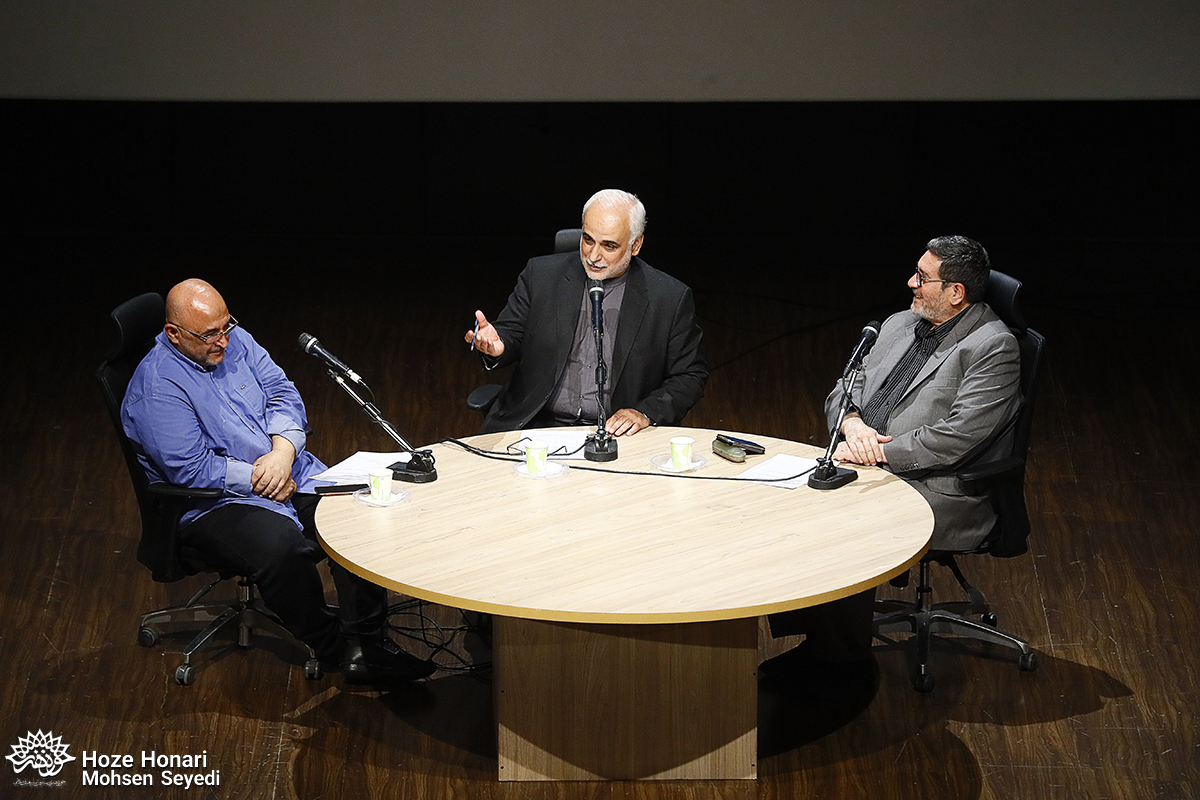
pixel 381 661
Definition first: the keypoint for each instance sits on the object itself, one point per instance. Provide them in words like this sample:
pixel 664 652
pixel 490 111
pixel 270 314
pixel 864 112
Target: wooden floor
pixel 1106 595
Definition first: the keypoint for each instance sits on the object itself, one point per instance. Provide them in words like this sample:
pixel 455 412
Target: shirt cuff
pixel 237 477
pixel 297 438
pixel 280 425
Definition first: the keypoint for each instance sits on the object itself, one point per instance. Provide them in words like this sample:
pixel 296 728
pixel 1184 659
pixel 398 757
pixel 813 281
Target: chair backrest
pixel 567 240
pixel 136 323
pixel 1003 296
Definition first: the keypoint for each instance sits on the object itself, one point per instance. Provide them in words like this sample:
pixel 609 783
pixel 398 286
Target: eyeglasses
pixel 208 337
pixel 922 280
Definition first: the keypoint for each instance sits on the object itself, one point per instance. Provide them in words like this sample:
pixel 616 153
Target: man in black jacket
pixel 656 372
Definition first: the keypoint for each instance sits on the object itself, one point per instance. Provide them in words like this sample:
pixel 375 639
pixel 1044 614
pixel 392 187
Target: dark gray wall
pixel 564 50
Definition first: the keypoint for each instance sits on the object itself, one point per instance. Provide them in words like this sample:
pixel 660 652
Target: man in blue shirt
pixel 208 408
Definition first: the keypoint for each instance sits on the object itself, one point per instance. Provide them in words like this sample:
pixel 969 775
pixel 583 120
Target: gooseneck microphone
pixel 827 474
pixel 310 345
pixel 601 445
pixel 869 334
pixel 419 467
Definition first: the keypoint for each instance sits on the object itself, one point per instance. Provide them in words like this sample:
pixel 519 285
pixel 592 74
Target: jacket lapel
pixel 568 299
pixel 969 322
pixel 633 312
pixel 889 358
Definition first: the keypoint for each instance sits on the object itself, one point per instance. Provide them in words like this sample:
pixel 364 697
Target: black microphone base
pixel 418 469
pixel 599 448
pixel 827 476
pixel 414 476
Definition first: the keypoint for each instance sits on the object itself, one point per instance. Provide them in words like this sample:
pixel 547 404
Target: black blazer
pixel 657 366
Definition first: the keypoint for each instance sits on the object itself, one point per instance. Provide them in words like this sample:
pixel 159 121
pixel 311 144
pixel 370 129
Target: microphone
pixel 827 474
pixel 600 446
pixel 596 292
pixel 869 334
pixel 310 345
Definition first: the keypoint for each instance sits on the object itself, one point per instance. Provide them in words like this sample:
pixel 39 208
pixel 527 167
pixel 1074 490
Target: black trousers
pixel 281 560
pixel 839 630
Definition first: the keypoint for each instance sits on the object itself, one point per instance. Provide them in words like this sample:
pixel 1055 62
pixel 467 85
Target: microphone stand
pixel 601 445
pixel 419 467
pixel 827 474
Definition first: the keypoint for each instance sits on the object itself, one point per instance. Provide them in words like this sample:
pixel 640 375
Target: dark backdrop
pixel 1070 196
pixel 798 171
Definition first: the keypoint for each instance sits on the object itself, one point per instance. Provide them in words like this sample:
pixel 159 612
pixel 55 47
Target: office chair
pixel 567 240
pixel 161 506
pixel 481 397
pixel 1004 482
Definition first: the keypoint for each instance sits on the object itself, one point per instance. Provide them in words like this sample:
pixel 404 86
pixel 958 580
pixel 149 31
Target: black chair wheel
pixel 147 637
pixel 1027 662
pixel 185 675
pixel 313 670
pixel 988 619
pixel 923 682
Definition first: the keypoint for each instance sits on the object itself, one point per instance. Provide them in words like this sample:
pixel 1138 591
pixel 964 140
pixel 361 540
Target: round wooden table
pixel 622 592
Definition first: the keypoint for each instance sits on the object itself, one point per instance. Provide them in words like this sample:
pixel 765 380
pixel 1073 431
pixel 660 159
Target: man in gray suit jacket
pixel 656 372
pixel 939 391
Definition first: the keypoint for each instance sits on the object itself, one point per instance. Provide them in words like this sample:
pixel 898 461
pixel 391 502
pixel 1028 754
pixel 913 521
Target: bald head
pixel 190 296
pixel 195 310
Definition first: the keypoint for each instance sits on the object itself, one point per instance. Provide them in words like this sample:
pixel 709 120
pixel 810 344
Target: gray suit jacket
pixel 959 411
pixel 657 364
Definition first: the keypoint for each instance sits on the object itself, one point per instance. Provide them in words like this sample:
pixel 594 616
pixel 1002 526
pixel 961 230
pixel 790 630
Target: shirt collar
pixel 938 333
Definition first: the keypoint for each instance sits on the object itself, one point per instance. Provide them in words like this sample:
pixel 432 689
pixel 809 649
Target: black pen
pixel 475 334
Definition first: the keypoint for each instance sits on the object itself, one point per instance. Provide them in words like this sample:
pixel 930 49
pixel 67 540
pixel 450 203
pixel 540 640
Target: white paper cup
pixel 381 484
pixel 681 452
pixel 535 457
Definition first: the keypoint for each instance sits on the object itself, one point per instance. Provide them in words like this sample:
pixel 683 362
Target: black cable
pixel 438 638
pixel 505 456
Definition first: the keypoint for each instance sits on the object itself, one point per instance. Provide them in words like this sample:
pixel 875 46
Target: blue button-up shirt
pixel 204 427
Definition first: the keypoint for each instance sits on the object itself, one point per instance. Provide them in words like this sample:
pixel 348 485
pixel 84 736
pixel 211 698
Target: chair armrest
pixel 157 549
pixel 171 491
pixel 482 397
pixel 985 477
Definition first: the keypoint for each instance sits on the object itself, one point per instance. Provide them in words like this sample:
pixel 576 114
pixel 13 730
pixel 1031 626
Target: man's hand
pixel 626 422
pixel 272 475
pixel 863 443
pixel 285 494
pixel 486 340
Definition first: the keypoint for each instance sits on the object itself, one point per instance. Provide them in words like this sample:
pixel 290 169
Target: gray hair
pixel 616 198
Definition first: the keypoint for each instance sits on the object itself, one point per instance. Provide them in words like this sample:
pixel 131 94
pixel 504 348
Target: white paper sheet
pixel 781 465
pixel 355 468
